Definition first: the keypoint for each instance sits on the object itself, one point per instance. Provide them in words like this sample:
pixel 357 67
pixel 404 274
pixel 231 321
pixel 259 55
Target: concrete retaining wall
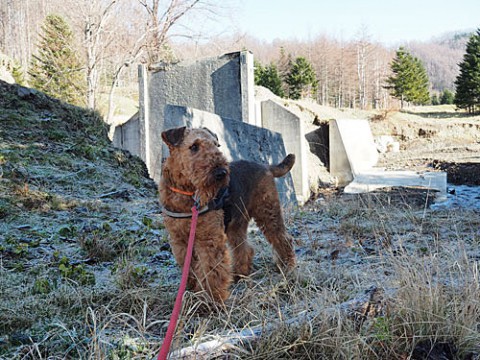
pixel 127 136
pixel 277 118
pixel 262 146
pixel 217 85
pixel 223 86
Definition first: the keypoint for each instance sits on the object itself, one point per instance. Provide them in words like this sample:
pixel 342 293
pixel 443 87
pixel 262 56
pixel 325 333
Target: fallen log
pixel 368 304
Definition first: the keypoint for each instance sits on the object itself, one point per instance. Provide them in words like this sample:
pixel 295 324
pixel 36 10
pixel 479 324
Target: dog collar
pixel 216 204
pixel 183 192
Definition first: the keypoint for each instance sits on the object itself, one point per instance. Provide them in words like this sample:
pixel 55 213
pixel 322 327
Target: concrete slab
pixel 353 155
pixel 279 119
pixel 373 179
pixel 352 149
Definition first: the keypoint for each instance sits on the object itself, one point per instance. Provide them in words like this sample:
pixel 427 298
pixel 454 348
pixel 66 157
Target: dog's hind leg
pixel 241 249
pixel 269 218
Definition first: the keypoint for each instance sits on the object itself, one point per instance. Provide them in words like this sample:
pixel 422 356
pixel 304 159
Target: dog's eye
pixel 194 148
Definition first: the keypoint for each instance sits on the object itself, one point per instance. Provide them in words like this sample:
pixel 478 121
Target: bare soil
pixel 435 138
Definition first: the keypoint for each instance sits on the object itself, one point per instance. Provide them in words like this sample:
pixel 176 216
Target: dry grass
pixel 424 265
pixel 86 271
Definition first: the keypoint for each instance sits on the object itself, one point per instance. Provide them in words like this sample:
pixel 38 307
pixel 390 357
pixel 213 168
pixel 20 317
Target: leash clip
pixel 196 200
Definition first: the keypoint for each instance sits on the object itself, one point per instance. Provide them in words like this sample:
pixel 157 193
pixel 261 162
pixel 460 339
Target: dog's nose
pixel 220 174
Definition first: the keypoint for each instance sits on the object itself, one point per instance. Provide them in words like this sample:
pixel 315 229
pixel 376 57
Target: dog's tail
pixel 284 167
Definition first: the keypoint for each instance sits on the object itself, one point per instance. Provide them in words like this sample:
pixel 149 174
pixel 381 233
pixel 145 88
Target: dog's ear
pixel 174 137
pixel 211 132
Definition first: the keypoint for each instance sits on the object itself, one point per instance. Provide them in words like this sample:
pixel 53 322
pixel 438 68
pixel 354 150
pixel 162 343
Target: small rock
pixel 165 247
pixel 162 256
pixel 24 92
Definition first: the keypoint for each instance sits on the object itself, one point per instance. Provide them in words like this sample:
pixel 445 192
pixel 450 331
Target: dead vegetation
pixel 86 271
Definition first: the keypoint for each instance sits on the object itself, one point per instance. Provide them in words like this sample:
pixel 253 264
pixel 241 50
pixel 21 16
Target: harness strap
pixel 216 204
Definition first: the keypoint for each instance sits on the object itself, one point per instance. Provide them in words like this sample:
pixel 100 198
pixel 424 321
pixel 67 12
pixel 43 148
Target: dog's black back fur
pixel 244 175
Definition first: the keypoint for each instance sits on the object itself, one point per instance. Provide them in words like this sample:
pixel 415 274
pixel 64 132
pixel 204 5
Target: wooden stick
pixel 361 307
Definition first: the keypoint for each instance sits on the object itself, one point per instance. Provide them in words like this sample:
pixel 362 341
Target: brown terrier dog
pixel 228 195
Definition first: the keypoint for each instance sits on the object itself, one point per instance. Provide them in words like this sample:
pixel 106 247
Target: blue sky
pixel 388 22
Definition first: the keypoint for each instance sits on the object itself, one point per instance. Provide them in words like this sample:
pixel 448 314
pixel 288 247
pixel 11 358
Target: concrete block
pixel 238 141
pixel 222 85
pixel 247 82
pixel 353 155
pixel 277 118
pixel 373 179
pixel 352 149
pixel 127 136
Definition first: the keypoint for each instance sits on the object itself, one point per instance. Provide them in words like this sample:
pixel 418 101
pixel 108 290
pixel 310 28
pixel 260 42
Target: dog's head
pixel 195 158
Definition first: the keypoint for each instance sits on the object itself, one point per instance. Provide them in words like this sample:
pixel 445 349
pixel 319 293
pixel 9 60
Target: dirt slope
pixel 74 212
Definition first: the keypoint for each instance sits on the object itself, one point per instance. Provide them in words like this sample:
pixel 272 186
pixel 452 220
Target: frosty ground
pixel 86 270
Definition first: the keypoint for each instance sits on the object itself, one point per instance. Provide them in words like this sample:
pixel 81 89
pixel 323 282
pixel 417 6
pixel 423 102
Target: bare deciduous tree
pixel 363 52
pixel 127 49
pixel 116 34
pixel 92 19
pixel 162 16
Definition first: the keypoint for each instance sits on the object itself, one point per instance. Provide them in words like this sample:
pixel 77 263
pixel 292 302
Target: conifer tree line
pixel 408 83
pixel 299 81
pixel 408 80
pixel 76 50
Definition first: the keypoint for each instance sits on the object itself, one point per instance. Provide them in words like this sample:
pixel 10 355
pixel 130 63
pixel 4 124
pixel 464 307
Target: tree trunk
pixel 111 94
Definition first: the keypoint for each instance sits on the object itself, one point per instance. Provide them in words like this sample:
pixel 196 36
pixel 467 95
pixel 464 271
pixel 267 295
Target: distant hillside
pixel 441 57
pixel 455 40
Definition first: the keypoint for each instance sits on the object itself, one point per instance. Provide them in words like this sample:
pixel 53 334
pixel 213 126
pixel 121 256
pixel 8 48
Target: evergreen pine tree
pixel 56 69
pixel 18 74
pixel 467 84
pixel 447 97
pixel 284 65
pixel 420 93
pixel 301 80
pixel 269 77
pixel 258 70
pixel 409 82
pixel 434 100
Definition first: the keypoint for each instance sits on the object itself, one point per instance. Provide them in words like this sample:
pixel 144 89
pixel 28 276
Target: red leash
pixel 183 284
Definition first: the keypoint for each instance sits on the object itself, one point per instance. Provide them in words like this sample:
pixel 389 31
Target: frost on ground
pixel 86 270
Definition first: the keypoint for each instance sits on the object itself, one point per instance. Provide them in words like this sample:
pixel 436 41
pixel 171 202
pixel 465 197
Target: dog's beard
pixel 209 186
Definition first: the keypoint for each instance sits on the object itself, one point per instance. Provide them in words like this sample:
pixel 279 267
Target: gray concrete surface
pixel 373 179
pixel 352 149
pixel 238 141
pixel 220 85
pixel 127 136
pixel 279 119
pixel 353 156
